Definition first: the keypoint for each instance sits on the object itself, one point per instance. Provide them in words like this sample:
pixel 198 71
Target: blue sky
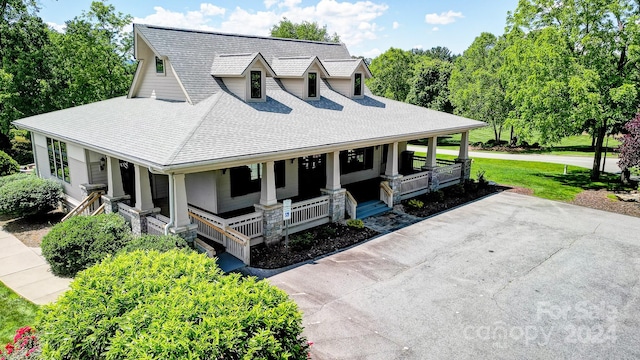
pixel 368 28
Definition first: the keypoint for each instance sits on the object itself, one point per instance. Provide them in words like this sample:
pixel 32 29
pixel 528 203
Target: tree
pixel 477 90
pixel 436 52
pixel 93 57
pixel 573 66
pixel 630 148
pixel 391 72
pixel 305 31
pixel 429 86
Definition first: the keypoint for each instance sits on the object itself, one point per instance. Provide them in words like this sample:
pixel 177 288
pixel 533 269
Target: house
pixel 218 129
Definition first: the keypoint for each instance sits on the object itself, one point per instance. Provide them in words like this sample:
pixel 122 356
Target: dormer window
pixel 256 84
pixel 357 84
pixel 160 70
pixel 312 85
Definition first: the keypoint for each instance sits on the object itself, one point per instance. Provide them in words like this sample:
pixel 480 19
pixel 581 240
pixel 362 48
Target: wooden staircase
pixel 87 206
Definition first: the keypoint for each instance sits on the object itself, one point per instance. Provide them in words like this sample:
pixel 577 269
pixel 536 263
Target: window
pixel 356 160
pixel 256 85
pixel 312 85
pixel 58 160
pixel 159 66
pixel 247 179
pixel 357 84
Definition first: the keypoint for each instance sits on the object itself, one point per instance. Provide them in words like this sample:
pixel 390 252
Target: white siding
pixel 201 190
pixel 43 162
pixel 313 68
pixel 166 85
pixel 294 86
pixel 342 86
pixel 96 174
pixel 365 174
pixel 237 86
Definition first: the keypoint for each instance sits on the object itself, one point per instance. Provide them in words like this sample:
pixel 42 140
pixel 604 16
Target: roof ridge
pixel 237 35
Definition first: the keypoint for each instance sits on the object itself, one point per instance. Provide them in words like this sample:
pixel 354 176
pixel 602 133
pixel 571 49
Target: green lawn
pixel 15 312
pixel 547 180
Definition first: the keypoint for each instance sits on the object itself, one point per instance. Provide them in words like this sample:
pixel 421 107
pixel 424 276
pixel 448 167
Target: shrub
pixel 8 166
pixel 301 241
pixel 25 345
pixel 415 203
pixel 355 223
pixel 82 241
pixel 457 190
pixel 14 177
pixel 30 195
pixel 159 243
pixel 171 305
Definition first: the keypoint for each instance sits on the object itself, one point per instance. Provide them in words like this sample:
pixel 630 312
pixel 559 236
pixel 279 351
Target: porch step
pixel 371 208
pixel 227 262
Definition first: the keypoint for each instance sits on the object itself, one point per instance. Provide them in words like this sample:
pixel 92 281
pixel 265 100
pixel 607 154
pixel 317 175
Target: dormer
pixel 300 75
pixel 347 76
pixel 243 74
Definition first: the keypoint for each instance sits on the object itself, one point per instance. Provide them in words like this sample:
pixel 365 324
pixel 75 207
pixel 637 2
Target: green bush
pixel 29 195
pixel 355 223
pixel 82 241
pixel 14 177
pixel 8 166
pixel 159 243
pixel 171 305
pixel 301 241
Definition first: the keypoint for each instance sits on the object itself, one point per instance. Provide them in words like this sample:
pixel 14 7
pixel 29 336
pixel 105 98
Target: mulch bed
pixel 321 240
pixel 452 197
pixel 30 230
pixel 599 199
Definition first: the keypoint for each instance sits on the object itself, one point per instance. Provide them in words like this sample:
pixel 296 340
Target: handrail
pixel 240 244
pixel 351 205
pixel 384 185
pixel 386 193
pixel 84 204
pixel 234 235
pixel 99 210
pixel 350 197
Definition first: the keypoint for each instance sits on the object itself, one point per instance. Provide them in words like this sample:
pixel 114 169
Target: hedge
pixel 14 177
pixel 160 243
pixel 82 241
pixel 29 195
pixel 171 305
pixel 8 166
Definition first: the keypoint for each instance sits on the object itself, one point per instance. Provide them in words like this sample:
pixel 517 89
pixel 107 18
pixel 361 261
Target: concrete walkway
pixel 25 271
pixel 611 165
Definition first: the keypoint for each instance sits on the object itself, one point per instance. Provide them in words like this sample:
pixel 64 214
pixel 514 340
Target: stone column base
pixel 466 168
pixel 111 203
pixel 336 203
pixel 139 220
pixel 395 183
pixel 189 232
pixel 86 189
pixel 272 222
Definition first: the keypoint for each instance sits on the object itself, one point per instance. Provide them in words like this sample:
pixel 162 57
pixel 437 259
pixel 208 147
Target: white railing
pixel 249 225
pixel 448 174
pixel 237 244
pixel 350 205
pixel 156 224
pixel 386 193
pixel 415 182
pixel 125 211
pixel 309 210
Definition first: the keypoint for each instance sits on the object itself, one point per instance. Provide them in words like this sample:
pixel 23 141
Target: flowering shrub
pixel 25 345
pixel 630 148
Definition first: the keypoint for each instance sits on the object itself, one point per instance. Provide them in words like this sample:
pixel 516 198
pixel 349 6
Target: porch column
pixel 463 156
pixel 181 224
pixel 115 190
pixel 268 184
pixel 430 162
pixel 144 203
pixel 391 174
pixel 333 189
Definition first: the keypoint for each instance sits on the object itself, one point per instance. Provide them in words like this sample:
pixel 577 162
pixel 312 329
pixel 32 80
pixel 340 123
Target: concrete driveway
pixel 509 276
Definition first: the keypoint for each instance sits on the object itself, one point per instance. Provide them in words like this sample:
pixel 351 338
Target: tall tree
pixel 576 64
pixel 305 31
pixel 477 89
pixel 391 72
pixel 429 85
pixel 93 57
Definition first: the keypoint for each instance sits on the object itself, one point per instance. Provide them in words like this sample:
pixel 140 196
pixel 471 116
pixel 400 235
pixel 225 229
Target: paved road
pixel 509 276
pixel 611 164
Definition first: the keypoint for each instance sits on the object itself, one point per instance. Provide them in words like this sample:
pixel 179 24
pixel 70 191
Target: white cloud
pixel 57 27
pixel 270 3
pixel 190 20
pixel 417 47
pixel 444 18
pixel 396 25
pixel 372 53
pixel 211 10
pixel 435 28
pixel 289 3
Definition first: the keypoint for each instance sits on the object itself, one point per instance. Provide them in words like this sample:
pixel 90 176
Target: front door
pixel 128 174
pixel 312 175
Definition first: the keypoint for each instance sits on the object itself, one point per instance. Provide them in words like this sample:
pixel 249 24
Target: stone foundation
pixel 395 183
pixel 272 222
pixel 139 220
pixel 466 168
pixel 189 233
pixel 111 203
pixel 86 189
pixel 336 203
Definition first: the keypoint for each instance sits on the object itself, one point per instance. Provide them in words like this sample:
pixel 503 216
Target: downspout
pixel 172 211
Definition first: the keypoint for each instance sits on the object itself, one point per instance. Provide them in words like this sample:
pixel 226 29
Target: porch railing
pixel 236 243
pixel 125 211
pixel 448 175
pixel 386 193
pixel 249 224
pixel 90 205
pixel 413 185
pixel 350 205
pixel 420 161
pixel 309 210
pixel 156 224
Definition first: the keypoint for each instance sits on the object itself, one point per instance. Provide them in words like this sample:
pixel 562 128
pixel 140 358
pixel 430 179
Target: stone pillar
pixel 86 189
pixel 273 222
pixel 139 220
pixel 268 184
pixel 466 168
pixel 333 171
pixel 115 191
pixel 182 225
pixel 189 233
pixel 336 203
pixel 395 183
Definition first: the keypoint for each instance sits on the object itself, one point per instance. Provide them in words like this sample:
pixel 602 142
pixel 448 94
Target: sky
pixel 368 28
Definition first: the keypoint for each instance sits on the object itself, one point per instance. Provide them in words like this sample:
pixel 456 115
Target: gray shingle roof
pixel 292 66
pixel 231 64
pixel 192 52
pixel 341 67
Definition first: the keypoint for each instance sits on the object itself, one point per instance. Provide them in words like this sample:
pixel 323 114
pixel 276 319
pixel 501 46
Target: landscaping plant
pixel 171 305
pixel 82 241
pixel 355 223
pixel 29 195
pixel 8 166
pixel 160 243
pixel 25 345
